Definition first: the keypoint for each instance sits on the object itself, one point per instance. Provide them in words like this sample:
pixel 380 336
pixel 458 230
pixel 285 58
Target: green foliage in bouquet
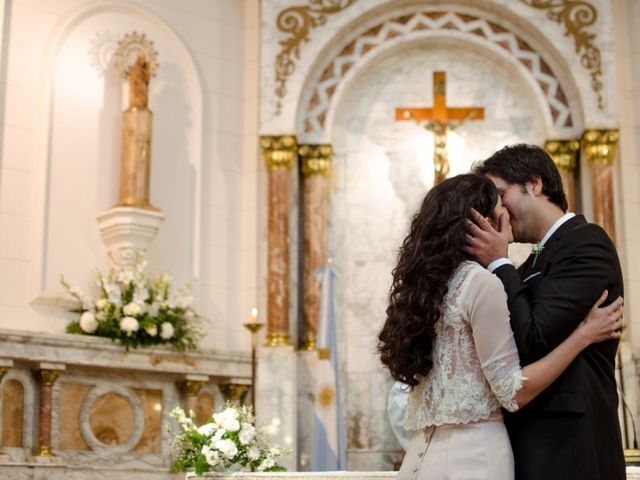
pixel 229 438
pixel 136 310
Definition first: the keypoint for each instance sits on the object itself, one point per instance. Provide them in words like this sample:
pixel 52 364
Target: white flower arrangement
pixel 228 438
pixel 136 310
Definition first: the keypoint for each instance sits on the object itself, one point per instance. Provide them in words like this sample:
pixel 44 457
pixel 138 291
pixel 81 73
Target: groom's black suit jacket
pixel 571 430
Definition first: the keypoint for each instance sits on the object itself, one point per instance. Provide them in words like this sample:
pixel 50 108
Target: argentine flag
pixel 329 452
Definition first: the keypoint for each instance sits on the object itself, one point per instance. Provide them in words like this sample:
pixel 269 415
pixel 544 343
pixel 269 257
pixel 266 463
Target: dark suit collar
pixel 565 228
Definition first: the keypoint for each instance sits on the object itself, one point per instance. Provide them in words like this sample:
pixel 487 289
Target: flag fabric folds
pixel 329 450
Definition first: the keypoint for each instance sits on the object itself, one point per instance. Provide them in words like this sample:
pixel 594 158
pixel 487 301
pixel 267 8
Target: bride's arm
pixel 488 315
pixel 599 325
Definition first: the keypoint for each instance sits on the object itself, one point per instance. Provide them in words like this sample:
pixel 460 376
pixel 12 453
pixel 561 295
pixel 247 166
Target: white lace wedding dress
pixel 476 370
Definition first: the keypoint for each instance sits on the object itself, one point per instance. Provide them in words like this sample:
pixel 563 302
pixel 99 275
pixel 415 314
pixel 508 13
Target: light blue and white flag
pixel 329 450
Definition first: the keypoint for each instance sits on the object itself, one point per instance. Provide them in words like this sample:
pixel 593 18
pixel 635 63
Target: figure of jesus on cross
pixel 440 120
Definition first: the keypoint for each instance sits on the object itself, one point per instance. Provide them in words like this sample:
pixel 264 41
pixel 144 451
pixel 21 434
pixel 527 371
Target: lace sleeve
pixel 486 305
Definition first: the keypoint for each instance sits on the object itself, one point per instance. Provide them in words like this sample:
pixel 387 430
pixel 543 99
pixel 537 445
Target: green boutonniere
pixel 536 249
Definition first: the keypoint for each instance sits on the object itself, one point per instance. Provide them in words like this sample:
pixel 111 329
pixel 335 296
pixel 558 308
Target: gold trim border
pixel 576 16
pixel 297 22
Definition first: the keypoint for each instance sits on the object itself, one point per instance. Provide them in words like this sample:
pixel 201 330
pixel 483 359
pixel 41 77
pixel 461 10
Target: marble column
pixel 315 161
pixel 565 155
pixel 234 392
pixel 599 147
pixel 46 375
pixel 189 388
pixel 279 153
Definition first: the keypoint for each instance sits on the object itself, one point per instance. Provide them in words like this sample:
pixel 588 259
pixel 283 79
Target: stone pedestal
pixel 128 231
pixel 276 398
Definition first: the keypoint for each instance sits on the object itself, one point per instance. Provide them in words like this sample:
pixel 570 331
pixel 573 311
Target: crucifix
pixel 440 120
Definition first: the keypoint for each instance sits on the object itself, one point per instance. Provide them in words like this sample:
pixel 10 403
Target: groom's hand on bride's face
pixel 484 242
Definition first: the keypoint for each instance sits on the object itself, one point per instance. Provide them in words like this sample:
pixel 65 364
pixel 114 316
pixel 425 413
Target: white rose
pixel 227 447
pixel 189 315
pixel 247 434
pixel 211 456
pixel 102 304
pixel 207 429
pixel 228 419
pixel 166 330
pixel 132 309
pixel 219 434
pixel 88 322
pixel 151 330
pixel 129 325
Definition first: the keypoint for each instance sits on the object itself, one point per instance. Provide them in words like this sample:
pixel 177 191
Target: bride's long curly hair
pixel 428 257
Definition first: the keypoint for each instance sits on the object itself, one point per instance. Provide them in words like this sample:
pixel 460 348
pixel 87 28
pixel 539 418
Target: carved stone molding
pixel 410 26
pixel 576 16
pixel 297 22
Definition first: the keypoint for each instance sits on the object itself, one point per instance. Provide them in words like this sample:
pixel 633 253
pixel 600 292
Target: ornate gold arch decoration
pixel 297 22
pixel 576 16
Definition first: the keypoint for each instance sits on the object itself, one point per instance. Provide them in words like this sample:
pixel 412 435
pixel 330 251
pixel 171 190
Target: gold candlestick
pixel 253 327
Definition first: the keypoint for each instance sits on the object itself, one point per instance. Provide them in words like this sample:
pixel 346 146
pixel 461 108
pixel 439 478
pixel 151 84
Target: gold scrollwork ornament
pixel 576 16
pixel 297 22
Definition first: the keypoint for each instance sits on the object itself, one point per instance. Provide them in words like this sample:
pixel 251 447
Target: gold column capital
pixel 564 153
pixel 189 388
pixel 315 158
pixel 234 392
pixel 600 146
pixel 46 377
pixel 279 151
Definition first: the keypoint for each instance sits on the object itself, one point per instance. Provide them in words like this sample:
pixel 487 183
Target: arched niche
pixel 81 146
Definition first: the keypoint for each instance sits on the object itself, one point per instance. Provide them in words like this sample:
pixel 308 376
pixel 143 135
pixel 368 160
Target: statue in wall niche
pixel 139 83
pixel 135 160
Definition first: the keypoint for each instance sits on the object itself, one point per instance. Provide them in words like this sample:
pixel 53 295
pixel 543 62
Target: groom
pixel 571 430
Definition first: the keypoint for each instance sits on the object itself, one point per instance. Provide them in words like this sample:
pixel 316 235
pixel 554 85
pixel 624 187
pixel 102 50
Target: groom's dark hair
pixel 520 163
